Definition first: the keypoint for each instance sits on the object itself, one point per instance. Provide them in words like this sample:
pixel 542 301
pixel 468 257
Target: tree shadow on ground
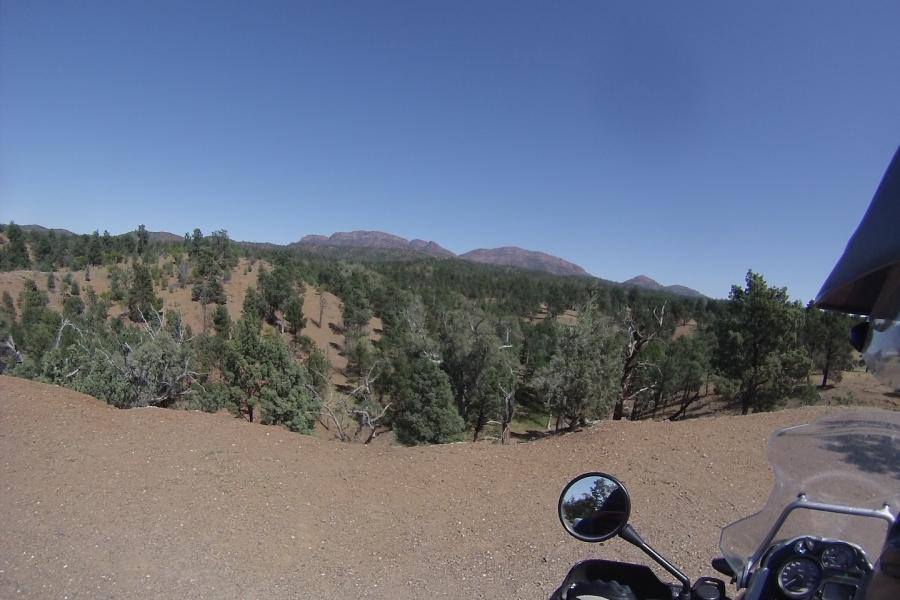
pixel 536 434
pixel 869 453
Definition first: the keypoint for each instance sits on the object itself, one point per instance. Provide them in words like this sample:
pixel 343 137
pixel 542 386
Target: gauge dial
pixel 799 578
pixel 839 556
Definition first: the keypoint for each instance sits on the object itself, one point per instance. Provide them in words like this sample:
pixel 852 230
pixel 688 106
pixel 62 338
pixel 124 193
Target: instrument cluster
pixel 808 568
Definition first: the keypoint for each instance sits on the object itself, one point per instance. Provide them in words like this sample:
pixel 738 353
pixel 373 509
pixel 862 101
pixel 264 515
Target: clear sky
pixel 686 141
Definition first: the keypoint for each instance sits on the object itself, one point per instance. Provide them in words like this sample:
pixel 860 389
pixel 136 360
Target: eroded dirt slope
pixel 153 503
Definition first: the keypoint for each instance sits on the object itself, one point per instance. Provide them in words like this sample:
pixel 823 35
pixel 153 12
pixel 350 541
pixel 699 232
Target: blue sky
pixel 686 141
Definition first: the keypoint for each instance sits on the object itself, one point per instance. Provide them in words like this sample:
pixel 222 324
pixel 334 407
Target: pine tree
pixel 267 383
pixel 425 412
pixel 826 339
pixel 141 299
pixel 293 314
pixel 758 339
pixel 15 254
pixel 221 321
pixel 143 239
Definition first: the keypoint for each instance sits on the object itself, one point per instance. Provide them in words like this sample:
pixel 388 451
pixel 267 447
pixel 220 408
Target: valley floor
pixel 153 503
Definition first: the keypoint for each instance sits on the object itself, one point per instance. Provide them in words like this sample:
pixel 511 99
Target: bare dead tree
pixel 507 413
pixel 9 347
pixel 506 345
pixel 368 413
pixel 369 420
pixel 508 407
pixel 333 413
pixel 636 339
pixel 155 379
pixel 359 406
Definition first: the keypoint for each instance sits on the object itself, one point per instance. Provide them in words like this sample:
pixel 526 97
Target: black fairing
pixel 640 578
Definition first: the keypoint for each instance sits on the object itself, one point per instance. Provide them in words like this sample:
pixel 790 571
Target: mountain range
pixel 505 256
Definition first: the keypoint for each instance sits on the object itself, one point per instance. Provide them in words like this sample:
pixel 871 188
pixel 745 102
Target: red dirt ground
pixel 155 503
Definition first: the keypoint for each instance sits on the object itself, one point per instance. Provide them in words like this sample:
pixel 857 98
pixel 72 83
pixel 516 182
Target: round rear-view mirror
pixel 594 507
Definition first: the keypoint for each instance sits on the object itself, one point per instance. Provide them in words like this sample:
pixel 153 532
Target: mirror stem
pixel 631 536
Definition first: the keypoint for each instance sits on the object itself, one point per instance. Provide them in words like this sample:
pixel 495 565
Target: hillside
pixel 328 335
pixel 155 503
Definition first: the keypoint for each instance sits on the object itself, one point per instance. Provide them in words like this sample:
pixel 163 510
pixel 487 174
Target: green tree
pixel 755 333
pixel 73 307
pixel 424 411
pixel 51 282
pixel 253 306
pixel 582 379
pixel 293 314
pixel 494 388
pixel 141 299
pixel 264 381
pixel 15 254
pixel 96 309
pixel 196 243
pixel 361 356
pixel 684 372
pixel 221 321
pixel 116 284
pixel 143 240
pixel 37 323
pixel 95 249
pixel 208 288
pixel 275 288
pixel 479 364
pixel 826 339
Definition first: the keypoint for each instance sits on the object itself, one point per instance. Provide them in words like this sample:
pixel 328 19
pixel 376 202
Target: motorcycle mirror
pixel 594 507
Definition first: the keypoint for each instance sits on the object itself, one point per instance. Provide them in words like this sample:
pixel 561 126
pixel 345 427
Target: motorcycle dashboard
pixel 813 568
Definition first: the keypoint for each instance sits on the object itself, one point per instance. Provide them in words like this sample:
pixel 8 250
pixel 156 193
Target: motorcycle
pixel 836 492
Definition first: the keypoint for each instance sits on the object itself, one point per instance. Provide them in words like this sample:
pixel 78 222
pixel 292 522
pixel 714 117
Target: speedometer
pixel 799 578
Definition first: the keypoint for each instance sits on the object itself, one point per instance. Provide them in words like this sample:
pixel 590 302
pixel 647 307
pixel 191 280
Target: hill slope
pixel 156 503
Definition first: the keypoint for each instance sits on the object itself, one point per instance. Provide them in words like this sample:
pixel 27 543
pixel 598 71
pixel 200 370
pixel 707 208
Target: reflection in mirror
pixel 594 507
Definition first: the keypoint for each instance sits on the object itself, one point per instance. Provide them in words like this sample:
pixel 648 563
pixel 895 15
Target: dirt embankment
pixel 153 503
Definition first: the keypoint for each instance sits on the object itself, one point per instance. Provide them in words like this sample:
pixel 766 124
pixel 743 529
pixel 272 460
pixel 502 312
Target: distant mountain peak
pixel 513 256
pixel 648 283
pixel 375 239
pixel 644 282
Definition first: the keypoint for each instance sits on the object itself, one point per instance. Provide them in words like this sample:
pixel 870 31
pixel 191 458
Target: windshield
pixel 851 459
